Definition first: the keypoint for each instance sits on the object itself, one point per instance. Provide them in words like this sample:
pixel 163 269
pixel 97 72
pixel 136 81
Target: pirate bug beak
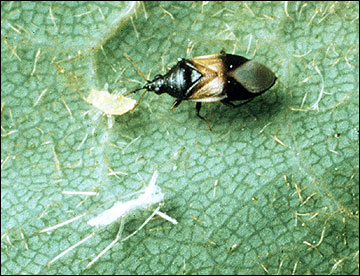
pixel 139 101
pixel 134 91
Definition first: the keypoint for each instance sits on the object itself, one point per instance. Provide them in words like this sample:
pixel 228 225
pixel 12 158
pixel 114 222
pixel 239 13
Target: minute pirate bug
pixel 212 78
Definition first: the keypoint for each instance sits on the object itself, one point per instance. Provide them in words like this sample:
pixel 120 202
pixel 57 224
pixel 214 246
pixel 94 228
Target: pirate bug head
pixel 213 78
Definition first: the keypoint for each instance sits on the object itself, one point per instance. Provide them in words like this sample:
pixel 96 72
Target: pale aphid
pixel 110 104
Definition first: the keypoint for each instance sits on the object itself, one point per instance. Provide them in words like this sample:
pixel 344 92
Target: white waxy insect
pixel 151 195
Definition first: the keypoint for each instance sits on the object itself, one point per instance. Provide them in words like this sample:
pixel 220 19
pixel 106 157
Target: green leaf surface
pixel 272 189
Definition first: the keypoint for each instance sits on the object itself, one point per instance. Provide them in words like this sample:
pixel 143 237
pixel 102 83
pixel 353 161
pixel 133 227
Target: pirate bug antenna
pixel 137 89
pixel 136 67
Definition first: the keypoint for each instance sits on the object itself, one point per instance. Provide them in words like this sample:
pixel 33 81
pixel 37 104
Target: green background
pixel 286 165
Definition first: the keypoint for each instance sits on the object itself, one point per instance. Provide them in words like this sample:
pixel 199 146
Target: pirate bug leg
pixel 228 103
pixel 176 104
pixel 198 106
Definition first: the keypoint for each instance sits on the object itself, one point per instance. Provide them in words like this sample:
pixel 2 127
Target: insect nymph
pixel 213 78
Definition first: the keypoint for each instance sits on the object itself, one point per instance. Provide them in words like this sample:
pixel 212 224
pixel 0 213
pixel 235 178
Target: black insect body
pixel 212 78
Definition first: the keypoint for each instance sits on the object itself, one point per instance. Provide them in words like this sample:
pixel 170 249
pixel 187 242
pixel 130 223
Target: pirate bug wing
pixel 209 91
pixel 253 76
pixel 210 87
pixel 209 64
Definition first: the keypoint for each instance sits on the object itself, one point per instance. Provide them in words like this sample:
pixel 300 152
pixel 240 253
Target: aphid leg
pixel 225 102
pixel 136 105
pixel 198 107
pixel 107 248
pixel 142 225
